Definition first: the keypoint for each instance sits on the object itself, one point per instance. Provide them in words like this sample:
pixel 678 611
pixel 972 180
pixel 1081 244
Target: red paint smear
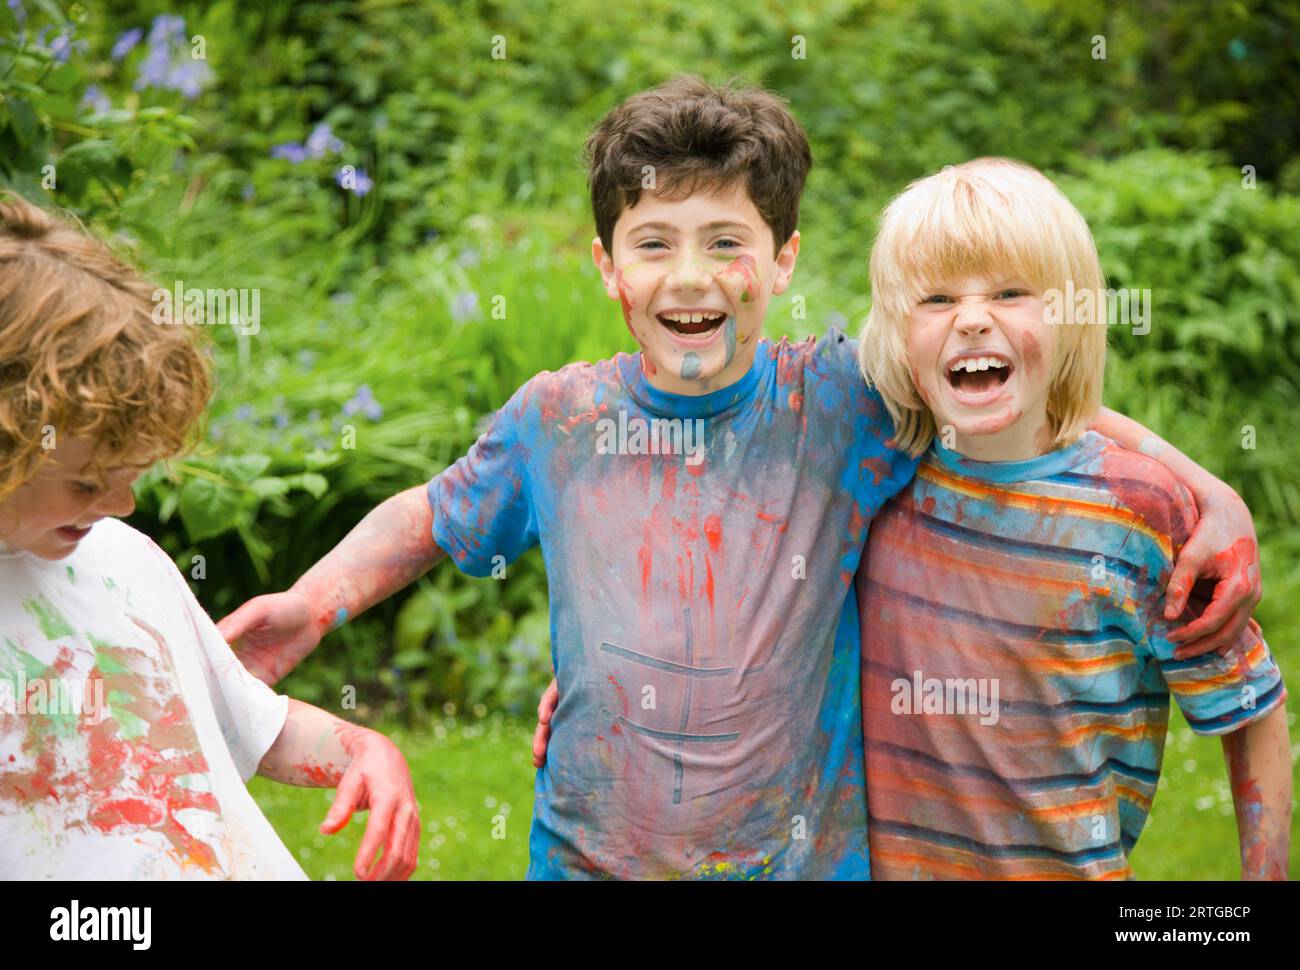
pixel 622 696
pixel 796 401
pixel 708 582
pixel 713 531
pixel 1031 353
pixel 928 505
pixel 878 467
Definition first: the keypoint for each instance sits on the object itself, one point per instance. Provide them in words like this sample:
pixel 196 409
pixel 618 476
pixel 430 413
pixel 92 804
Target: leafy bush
pixel 384 181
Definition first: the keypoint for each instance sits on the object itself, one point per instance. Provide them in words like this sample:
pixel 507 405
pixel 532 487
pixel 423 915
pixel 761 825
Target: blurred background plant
pixel 390 174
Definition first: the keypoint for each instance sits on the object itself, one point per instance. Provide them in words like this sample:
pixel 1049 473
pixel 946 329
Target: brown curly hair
pixel 81 353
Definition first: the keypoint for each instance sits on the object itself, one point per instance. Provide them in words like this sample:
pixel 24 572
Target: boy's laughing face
pixel 981 355
pixel 52 512
pixel 694 277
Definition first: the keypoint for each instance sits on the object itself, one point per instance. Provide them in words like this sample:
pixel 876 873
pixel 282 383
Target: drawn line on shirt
pixel 675 668
pixel 671 735
pixel 678 770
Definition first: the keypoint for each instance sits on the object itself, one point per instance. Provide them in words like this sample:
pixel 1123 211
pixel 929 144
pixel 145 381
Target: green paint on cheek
pixel 72 575
pixel 49 619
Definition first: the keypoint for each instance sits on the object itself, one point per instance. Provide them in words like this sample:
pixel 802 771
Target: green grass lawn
pixel 466 775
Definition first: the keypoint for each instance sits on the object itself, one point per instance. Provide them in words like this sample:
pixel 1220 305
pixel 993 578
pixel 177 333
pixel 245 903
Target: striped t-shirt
pixel 1017 669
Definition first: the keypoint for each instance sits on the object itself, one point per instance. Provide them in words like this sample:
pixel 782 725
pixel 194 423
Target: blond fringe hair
pixel 986 217
pixel 80 353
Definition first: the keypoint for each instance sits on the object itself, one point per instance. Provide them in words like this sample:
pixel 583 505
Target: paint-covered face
pixel 981 357
pixel 694 277
pixel 53 511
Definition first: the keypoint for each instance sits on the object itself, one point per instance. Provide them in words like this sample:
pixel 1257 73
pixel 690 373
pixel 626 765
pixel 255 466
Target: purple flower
pixel 356 180
pixel 16 8
pixel 322 141
pixel 244 412
pixel 292 151
pixel 468 257
pixel 249 193
pixel 96 100
pixel 165 30
pixel 169 64
pixel 126 42
pixel 465 306
pixel 189 77
pixel 365 403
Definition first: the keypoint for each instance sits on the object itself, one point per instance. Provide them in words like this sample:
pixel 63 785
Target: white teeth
pixel 972 364
pixel 691 317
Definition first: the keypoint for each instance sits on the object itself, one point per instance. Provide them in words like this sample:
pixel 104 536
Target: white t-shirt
pixel 127 726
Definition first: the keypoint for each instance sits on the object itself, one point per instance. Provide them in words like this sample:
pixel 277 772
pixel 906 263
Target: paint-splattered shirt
pixel 1017 669
pixel 703 627
pixel 127 726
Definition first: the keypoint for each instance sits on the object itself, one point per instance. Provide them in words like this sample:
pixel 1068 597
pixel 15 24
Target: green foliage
pixel 381 349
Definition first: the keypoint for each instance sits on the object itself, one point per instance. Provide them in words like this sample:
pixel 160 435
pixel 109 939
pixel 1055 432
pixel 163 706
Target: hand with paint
pixel 1222 551
pixel 545 709
pixel 271 634
pixel 1259 768
pixel 315 749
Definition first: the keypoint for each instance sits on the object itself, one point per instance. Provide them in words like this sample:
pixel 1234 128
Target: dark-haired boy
pixel 702 508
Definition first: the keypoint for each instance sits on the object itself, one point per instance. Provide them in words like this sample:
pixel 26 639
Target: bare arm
pixel 1222 549
pixel 315 749
pixel 1259 767
pixel 390 548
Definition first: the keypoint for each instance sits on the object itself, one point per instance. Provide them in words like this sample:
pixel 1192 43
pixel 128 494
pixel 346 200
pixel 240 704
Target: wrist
pixel 326 608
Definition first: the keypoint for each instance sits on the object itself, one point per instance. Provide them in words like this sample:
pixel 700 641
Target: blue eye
pixel 648 243
pixel 734 244
pixel 937 298
pixel 1011 294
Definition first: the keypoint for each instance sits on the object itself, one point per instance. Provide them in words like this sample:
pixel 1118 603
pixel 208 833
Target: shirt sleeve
pixel 880 470
pixel 1217 693
pixel 250 714
pixel 483 514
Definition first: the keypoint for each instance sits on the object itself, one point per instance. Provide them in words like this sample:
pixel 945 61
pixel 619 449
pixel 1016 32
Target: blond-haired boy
pixel 1017 666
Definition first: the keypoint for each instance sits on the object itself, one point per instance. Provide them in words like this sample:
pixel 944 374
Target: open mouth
pixel 692 323
pixel 73 534
pixel 979 375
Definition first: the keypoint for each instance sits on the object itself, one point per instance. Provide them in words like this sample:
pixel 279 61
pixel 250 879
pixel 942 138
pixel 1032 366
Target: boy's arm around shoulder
pixel 1222 550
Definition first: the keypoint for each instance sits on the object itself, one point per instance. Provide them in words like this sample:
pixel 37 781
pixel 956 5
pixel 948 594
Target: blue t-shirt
pixel 700 553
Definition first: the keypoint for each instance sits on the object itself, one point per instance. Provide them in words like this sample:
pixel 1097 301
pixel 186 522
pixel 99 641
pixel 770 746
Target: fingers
pixel 367 867
pixel 1230 595
pixel 550 700
pixel 1180 585
pixel 238 623
pixel 346 801
pixel 541 737
pixel 1220 640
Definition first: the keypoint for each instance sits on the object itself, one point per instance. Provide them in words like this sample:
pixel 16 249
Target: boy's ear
pixel 785 261
pixel 605 263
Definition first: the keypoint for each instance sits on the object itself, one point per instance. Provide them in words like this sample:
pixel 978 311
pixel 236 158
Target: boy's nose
pixel 118 502
pixel 690 273
pixel 973 318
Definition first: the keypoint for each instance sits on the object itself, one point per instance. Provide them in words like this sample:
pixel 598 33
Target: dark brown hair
pixel 698 136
